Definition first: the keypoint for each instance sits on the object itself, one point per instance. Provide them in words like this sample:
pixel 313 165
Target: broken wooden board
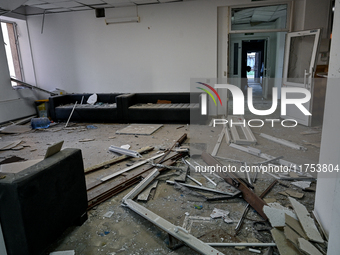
pixel 115 160
pixel 306 221
pixel 9 145
pixel 144 195
pixel 307 247
pixel 139 129
pixel 240 133
pixel 100 193
pixel 86 140
pixel 256 202
pixel 53 149
pixel 295 225
pixel 282 243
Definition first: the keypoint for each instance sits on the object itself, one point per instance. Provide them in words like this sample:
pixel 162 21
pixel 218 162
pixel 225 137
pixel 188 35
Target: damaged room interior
pixel 169 127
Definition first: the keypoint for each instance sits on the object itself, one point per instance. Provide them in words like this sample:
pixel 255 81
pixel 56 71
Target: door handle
pixel 305 79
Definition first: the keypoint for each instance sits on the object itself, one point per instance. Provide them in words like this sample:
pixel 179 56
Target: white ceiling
pixel 79 5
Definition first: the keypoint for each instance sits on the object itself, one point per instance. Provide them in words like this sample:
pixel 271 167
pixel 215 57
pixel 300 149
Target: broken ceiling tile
pixel 294 193
pixel 269 200
pixel 282 243
pixel 293 175
pixel 307 222
pixel 295 225
pixel 218 213
pixel 302 184
pixel 292 236
pixel 276 214
pixel 307 247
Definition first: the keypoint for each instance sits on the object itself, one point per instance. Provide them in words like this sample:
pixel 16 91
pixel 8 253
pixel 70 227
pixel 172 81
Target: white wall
pixel 173 43
pixel 80 53
pixel 327 205
pixel 14 104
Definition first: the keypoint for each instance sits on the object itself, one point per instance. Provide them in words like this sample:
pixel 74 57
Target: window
pixel 270 17
pixel 12 50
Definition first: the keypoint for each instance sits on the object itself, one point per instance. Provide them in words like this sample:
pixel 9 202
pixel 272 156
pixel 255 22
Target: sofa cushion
pixel 164 106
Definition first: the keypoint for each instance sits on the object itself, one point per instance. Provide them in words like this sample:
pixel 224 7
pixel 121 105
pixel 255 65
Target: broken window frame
pixel 288 27
pixel 12 35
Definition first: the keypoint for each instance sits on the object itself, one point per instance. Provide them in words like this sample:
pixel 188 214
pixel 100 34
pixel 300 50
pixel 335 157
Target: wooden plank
pixel 248 195
pixel 115 160
pixel 108 189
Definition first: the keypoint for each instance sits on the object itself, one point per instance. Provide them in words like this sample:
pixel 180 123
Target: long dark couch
pixel 181 108
pixel 104 111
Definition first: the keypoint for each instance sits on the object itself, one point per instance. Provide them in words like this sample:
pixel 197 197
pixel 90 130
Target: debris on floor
pixel 211 212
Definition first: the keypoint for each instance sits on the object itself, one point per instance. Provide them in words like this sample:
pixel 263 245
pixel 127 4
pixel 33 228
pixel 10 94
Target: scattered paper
pixel 108 214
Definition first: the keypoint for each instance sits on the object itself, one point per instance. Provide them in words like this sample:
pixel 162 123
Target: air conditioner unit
pixel 123 20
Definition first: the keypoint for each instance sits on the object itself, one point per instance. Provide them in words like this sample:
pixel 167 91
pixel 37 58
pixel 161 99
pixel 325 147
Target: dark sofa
pixel 181 108
pixel 40 202
pixel 104 111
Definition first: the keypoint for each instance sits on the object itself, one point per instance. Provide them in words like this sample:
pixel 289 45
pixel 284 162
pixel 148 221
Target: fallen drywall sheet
pixel 276 214
pixel 282 243
pixel 139 129
pixel 292 193
pixel 302 184
pixel 295 224
pixel 292 236
pixel 307 222
pixel 307 247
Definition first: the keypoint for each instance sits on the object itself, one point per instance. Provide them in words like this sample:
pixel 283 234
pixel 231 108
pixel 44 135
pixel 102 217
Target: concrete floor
pixel 125 232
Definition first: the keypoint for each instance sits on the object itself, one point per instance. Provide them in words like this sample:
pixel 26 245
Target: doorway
pixel 253 59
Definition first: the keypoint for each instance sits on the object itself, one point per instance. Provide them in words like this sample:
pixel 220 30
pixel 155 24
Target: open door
pixel 298 70
pixel 235 61
pixel 266 70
